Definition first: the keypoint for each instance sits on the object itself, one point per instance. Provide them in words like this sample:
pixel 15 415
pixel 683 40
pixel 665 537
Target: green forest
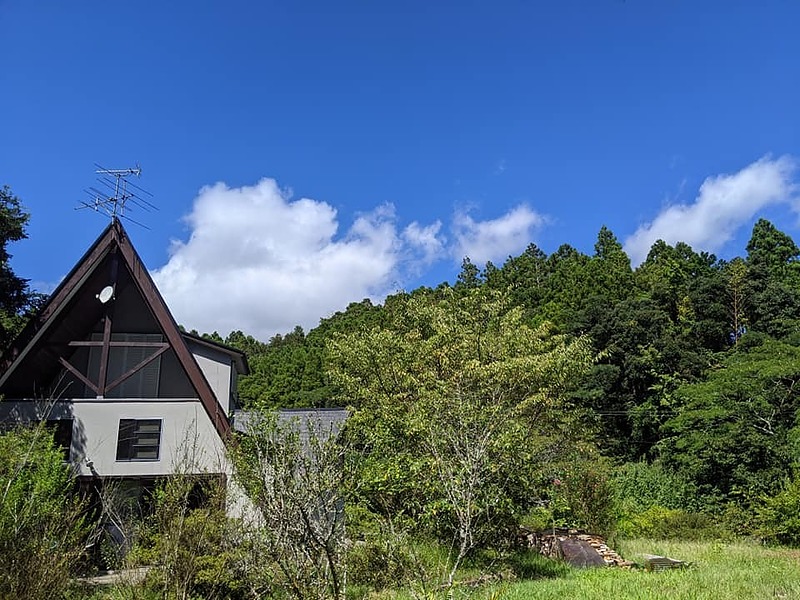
pixel 689 376
pixel 561 390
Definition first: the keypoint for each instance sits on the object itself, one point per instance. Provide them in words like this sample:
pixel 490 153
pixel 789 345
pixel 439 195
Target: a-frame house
pixel 131 396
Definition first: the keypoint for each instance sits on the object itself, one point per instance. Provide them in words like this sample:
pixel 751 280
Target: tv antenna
pixel 118 193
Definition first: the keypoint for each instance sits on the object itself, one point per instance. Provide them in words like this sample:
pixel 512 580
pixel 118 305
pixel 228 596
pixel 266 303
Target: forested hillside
pixel 695 358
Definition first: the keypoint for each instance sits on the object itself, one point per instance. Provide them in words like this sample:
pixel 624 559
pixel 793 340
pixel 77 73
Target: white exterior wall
pixel 216 366
pixel 189 442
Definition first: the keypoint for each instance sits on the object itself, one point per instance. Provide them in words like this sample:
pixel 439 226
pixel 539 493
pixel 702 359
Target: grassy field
pixel 719 571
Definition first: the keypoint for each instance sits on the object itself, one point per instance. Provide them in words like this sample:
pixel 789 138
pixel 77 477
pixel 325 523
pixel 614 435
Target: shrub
pixel 42 530
pixel 538 518
pixel 380 563
pixel 385 555
pixel 583 498
pixel 528 564
pixel 195 549
pixel 294 481
pixel 640 486
pixel 658 522
pixel 779 515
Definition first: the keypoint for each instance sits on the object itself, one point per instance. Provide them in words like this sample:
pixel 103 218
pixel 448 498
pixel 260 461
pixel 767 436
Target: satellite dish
pixel 106 294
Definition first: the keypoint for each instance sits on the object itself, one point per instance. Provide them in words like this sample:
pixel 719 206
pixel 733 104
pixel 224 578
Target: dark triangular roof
pixel 113 241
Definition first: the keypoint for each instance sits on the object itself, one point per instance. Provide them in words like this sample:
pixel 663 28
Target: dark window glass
pixel 139 439
pixel 143 383
pixel 62 435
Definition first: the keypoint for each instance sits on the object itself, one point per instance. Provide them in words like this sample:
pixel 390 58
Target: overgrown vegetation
pixel 693 382
pixel 294 474
pixel 458 412
pixel 42 521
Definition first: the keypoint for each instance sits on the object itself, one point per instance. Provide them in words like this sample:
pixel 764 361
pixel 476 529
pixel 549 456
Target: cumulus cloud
pixel 723 204
pixel 494 239
pixel 258 261
pixel 261 262
pixel 426 240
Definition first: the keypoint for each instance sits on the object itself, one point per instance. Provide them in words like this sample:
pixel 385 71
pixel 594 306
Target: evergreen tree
pixel 15 297
pixel 774 281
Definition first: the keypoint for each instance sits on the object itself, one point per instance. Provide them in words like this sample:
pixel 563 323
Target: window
pixel 62 435
pixel 139 439
pixel 143 383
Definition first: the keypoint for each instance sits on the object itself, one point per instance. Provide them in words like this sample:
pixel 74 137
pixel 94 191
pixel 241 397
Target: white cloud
pixel 426 240
pixel 495 239
pixel 258 261
pixel 723 204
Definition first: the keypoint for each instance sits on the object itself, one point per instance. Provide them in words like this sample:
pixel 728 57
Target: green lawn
pixel 719 571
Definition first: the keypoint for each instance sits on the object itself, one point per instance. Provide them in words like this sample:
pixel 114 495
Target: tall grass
pixel 719 571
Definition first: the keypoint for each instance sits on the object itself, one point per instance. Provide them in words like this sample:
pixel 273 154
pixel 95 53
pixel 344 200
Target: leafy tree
pixel 289 371
pixel 779 515
pixel 469 277
pixel 732 432
pixel 458 411
pixel 654 329
pixel 628 334
pixel 771 249
pixel 567 288
pixel 213 337
pixel 610 268
pixel 736 274
pixel 525 277
pixel 276 372
pixel 246 343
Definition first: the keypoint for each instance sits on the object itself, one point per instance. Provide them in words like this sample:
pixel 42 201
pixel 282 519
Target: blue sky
pixel 304 155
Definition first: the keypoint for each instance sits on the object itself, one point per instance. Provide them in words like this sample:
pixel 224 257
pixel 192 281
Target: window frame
pixel 128 447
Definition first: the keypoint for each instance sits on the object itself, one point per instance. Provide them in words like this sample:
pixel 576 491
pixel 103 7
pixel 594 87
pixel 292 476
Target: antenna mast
pixel 117 184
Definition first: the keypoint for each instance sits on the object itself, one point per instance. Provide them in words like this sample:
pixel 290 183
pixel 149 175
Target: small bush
pixel 779 516
pixel 380 564
pixel 658 522
pixel 195 549
pixel 583 498
pixel 538 519
pixel 736 521
pixel 640 486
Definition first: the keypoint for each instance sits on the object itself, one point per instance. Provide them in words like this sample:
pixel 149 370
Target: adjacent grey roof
pixel 325 422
